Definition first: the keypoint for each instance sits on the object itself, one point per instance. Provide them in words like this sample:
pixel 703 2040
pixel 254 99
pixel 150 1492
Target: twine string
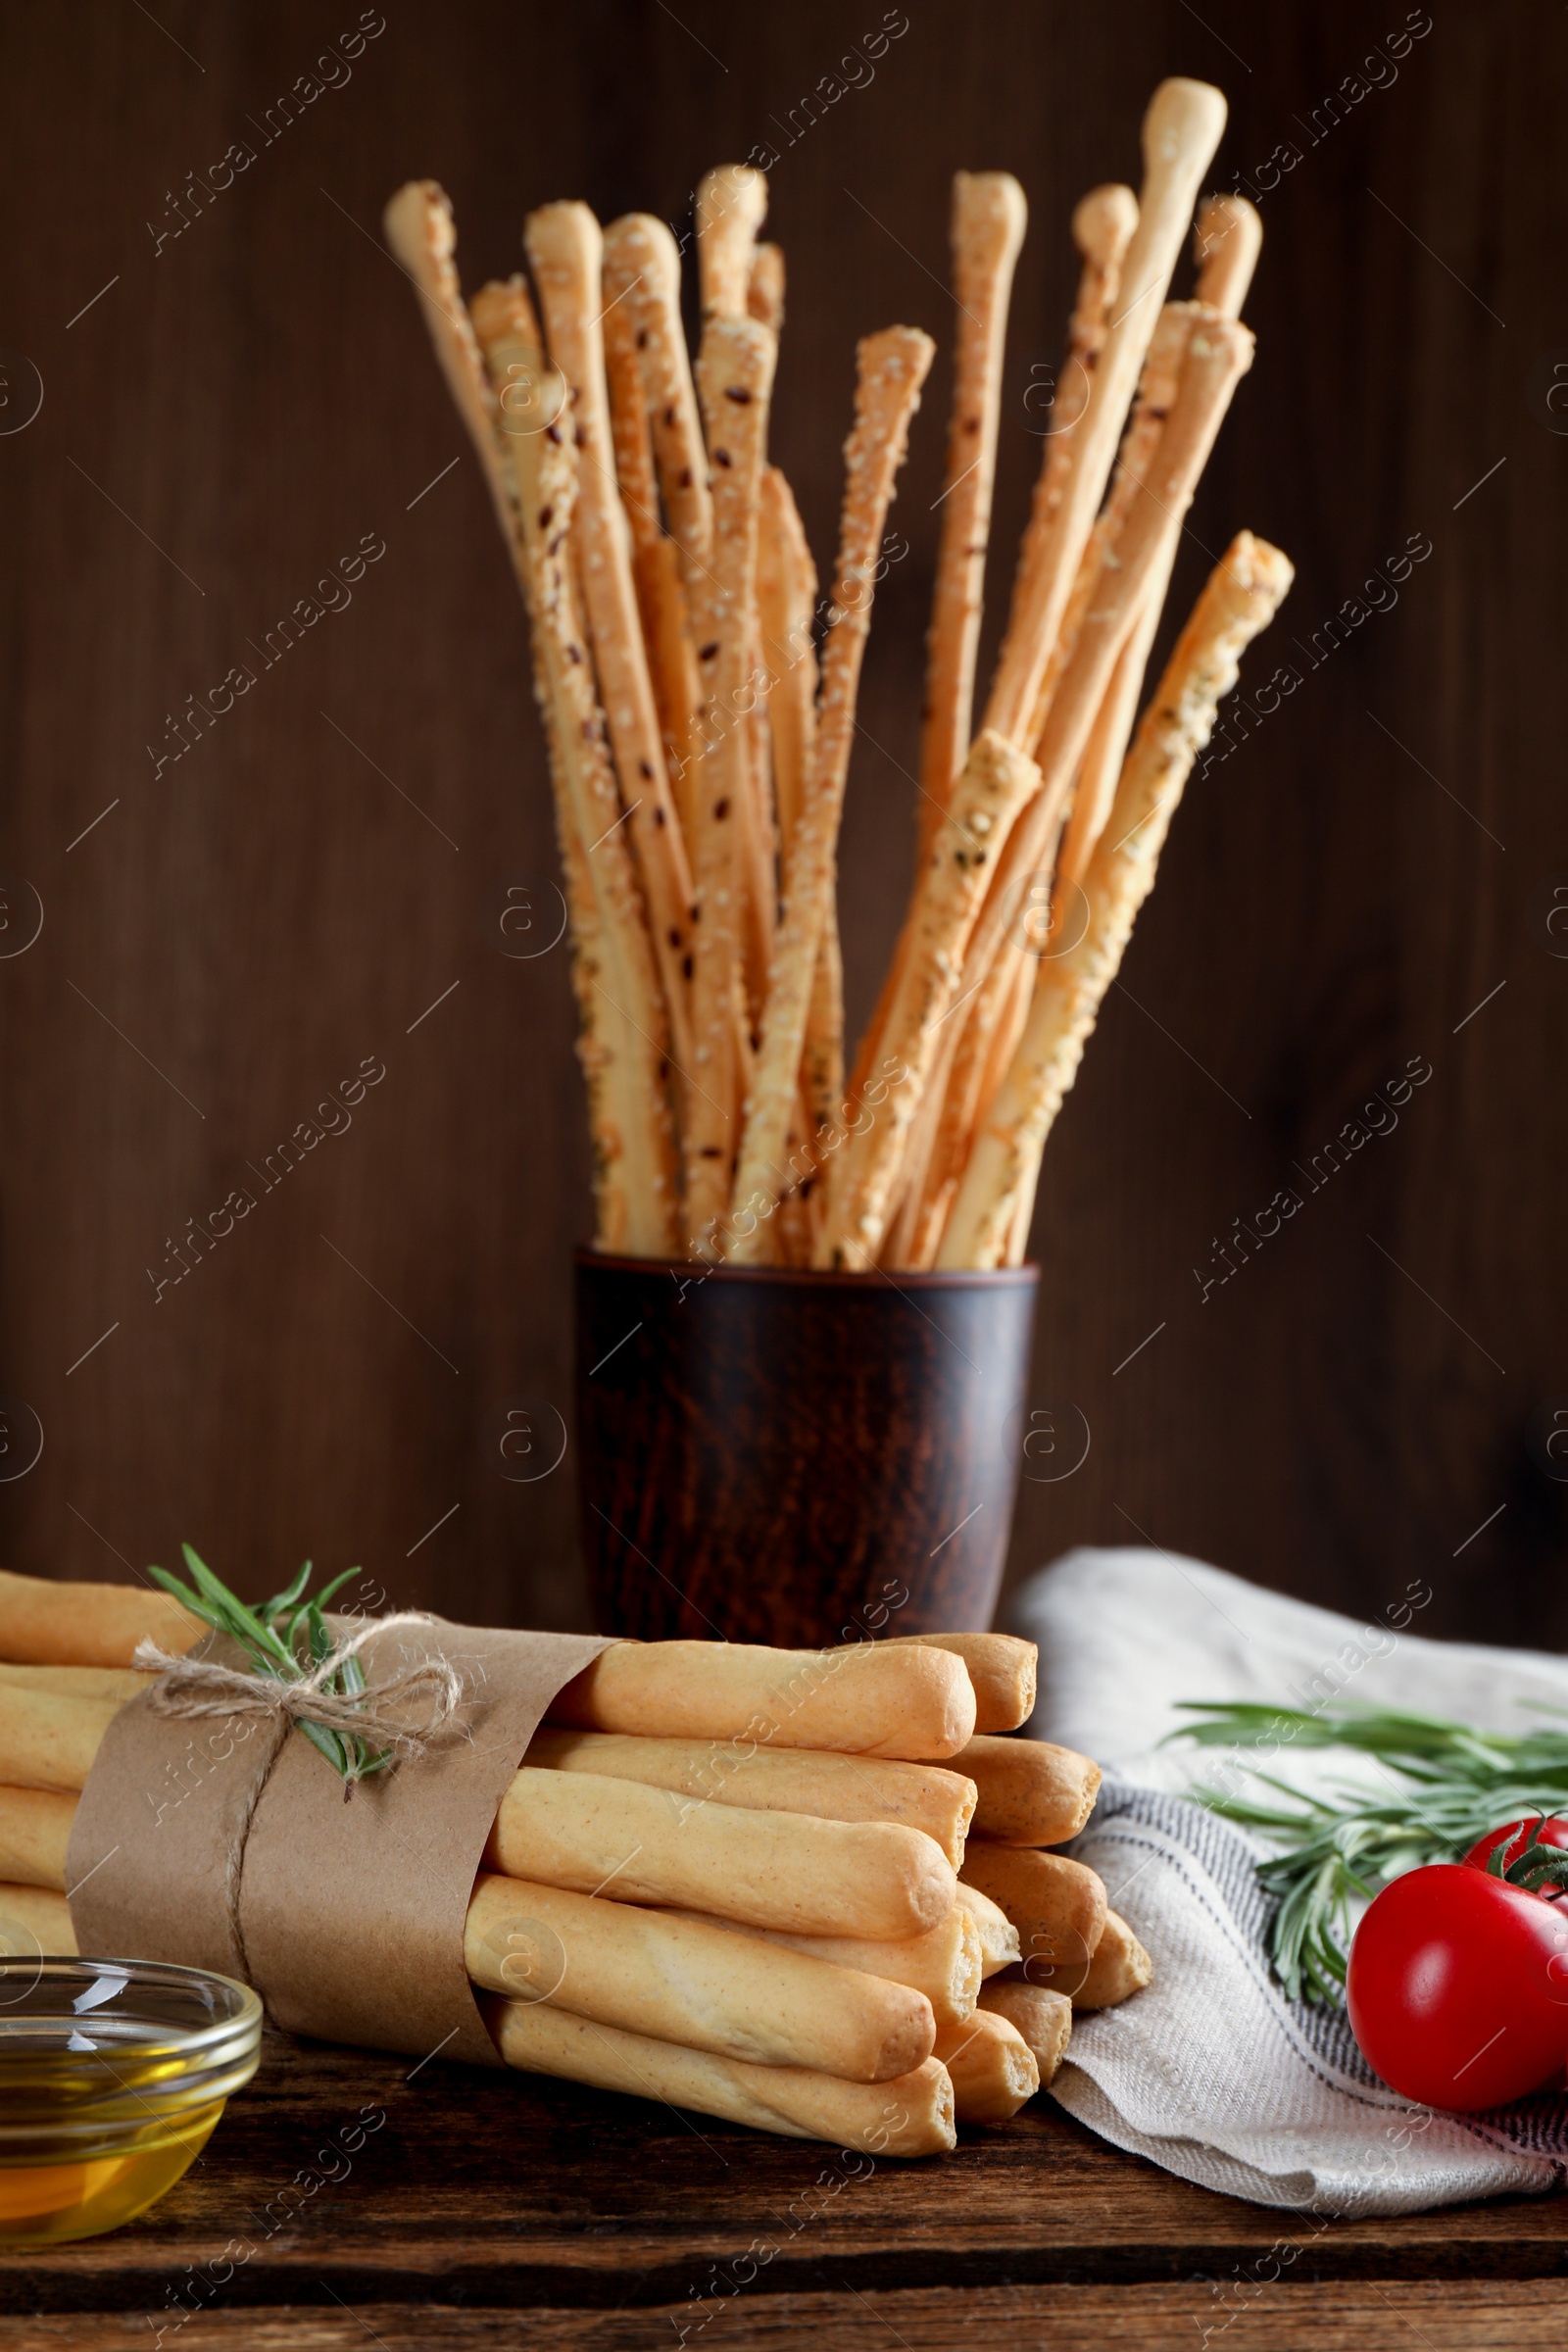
pixel 407 1709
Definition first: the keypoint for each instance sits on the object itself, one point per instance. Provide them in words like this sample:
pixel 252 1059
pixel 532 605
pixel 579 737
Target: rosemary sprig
pixel 288 1638
pixel 1462 1782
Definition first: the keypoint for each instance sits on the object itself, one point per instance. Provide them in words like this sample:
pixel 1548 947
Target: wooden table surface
pixel 349 2199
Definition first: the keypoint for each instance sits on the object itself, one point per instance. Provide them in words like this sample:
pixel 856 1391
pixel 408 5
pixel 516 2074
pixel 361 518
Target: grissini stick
pixel 988 218
pixel 681 1980
pixel 1120 1968
pixel 890 368
pixel 565 249
pixel 641 257
pixel 1030 1792
pixel 419 230
pixel 1180 131
pixel 35 1921
pixel 735 378
pixel 992 2066
pixel 34 1832
pixel 1241 598
pixel 1043 2018
pixel 878 1699
pixel 1057 1906
pixel 765 286
pixel 911 2116
pixel 771 1869
pixel 615 974
pixel 48 1739
pixel 1002 1668
pixel 1000 1944
pixel 76 1682
pixel 1228 240
pixel 43 1622
pixel 774 1779
pixel 943 1964
pixel 731 206
pixel 996 783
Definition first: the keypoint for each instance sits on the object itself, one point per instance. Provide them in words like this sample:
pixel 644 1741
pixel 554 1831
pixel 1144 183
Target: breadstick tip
pixel 991 200
pixel 1103 223
pixel 1226 243
pixel 738 189
pixel 564 235
pixel 1257 567
pixel 1182 117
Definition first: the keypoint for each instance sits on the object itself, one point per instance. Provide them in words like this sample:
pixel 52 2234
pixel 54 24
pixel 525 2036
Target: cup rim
pixel 241 2015
pixel 974 1278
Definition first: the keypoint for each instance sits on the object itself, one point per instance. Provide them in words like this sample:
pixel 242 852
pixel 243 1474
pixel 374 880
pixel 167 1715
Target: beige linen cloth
pixel 1212 2072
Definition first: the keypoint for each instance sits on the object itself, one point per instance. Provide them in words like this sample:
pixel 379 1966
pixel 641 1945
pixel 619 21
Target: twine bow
pixel 407 1709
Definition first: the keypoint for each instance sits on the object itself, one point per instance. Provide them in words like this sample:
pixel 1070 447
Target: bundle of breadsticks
pixel 699 697
pixel 852 1930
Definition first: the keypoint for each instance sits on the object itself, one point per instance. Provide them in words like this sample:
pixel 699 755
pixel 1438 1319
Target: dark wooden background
pixel 239 405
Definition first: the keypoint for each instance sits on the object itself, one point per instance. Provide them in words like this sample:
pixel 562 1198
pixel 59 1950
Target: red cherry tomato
pixel 1458 1988
pixel 1515 1835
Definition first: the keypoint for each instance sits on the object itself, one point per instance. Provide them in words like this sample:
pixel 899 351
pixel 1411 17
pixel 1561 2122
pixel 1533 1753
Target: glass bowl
pixel 113 2074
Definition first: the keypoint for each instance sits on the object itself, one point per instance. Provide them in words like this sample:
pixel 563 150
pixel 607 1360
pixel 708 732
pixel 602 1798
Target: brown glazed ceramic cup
pixel 770 1454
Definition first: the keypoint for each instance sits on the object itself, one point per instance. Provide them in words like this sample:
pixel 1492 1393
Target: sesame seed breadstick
pixel 990 2066
pixel 996 783
pixel 988 215
pixel 566 249
pixel 686 1981
pixel 911 2116
pixel 764 287
pixel 420 232
pixel 890 368
pixel 774 1779
pixel 1043 2019
pixel 621 1008
pixel 1240 599
pixel 731 204
pixel 44 1622
pixel 772 1870
pixel 877 1700
pixel 642 268
pixel 735 376
pixel 1181 130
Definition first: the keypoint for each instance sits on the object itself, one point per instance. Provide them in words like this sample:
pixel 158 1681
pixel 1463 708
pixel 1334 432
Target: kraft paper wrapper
pixel 219 1844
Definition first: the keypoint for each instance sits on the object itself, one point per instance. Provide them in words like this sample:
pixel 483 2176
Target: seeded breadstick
pixel 890 368
pixel 996 783
pixel 614 977
pixel 34 1832
pixel 1043 2019
pixel 772 1870
pixel 776 1780
pixel 735 374
pixel 999 1939
pixel 1031 1793
pixel 992 2066
pixel 731 203
pixel 1120 1968
pixel 49 1739
pixel 1181 130
pixel 989 215
pixel 565 249
pixel 911 2116
pixel 879 1700
pixel 43 1622
pixel 1002 1667
pixel 1241 598
pixel 641 255
pixel 1228 240
pixel 690 1983
pixel 1057 1905
pixel 75 1681
pixel 765 286
pixel 34 1922
pixel 943 1964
